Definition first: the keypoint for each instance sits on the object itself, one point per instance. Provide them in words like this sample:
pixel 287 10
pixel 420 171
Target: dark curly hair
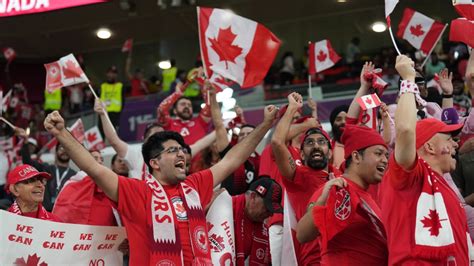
pixel 154 145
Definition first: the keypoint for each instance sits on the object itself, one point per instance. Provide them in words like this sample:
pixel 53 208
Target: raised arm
pixel 405 117
pixel 354 108
pixel 221 133
pixel 205 112
pixel 203 143
pixel 446 83
pixel 128 65
pixel 284 160
pixel 296 129
pixel 387 127
pixel 105 178
pixel 240 152
pixel 119 145
pixel 163 110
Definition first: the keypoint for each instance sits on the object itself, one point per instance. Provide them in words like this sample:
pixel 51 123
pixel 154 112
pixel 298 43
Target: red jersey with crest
pixel 191 130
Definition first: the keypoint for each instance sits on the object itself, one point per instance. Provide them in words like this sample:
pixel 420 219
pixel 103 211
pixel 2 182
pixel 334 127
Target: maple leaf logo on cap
pixel 417 30
pixel 223 46
pixel 321 56
pixel 433 222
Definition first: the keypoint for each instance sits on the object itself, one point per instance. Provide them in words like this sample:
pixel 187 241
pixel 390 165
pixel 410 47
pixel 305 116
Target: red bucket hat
pixel 427 128
pixel 22 173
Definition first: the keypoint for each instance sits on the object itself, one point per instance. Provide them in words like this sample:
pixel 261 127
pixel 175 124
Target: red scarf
pixel 166 242
pixel 41 213
pixel 260 251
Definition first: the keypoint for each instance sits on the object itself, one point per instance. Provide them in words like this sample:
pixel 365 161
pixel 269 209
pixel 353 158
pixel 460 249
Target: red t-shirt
pixel 134 203
pixel 192 130
pixel 401 190
pixel 358 243
pixel 138 87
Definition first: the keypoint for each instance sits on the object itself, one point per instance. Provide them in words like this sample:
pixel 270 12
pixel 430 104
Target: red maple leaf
pixel 223 46
pixel 433 222
pixel 417 30
pixel 218 242
pixel 91 137
pixel 321 56
pixel 33 260
pixel 368 101
pixel 179 207
pixel 202 239
pixel 71 70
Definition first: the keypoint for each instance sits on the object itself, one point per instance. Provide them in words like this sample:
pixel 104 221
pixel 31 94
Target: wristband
pixel 410 87
pixel 447 96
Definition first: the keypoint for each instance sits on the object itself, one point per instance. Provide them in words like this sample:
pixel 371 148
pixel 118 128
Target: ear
pixel 356 157
pixel 329 154
pixel 14 190
pixel 429 148
pixel 302 155
pixel 154 164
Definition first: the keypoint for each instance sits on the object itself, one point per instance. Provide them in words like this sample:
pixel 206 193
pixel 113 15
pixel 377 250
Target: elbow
pixel 300 235
pixel 277 142
pixel 404 129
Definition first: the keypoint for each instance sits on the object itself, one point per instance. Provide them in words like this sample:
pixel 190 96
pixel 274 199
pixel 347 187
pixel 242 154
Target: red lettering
pixel 226 259
pixel 57 234
pixel 99 262
pixel 24 228
pixel 160 206
pixel 81 247
pixel 85 237
pixel 225 225
pixel 162 219
pixel 53 245
pixel 21 240
pixel 105 246
pixel 111 237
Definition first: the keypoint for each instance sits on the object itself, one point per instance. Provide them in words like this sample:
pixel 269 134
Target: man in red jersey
pixel 163 214
pixel 342 213
pixel 425 222
pixel 300 181
pixel 27 186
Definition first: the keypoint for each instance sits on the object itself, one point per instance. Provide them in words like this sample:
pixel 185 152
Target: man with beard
pixel 60 172
pixel 119 166
pixel 192 129
pixel 338 121
pixel 342 214
pixel 300 181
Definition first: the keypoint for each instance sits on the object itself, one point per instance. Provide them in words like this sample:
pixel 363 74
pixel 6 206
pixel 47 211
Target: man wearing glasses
pixel 28 186
pixel 163 214
pixel 301 181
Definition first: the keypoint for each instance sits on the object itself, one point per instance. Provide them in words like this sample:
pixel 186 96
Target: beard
pixel 317 164
pixel 337 132
pixel 63 158
pixel 185 115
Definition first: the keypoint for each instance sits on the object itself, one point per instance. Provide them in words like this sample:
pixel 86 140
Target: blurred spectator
pixel 433 66
pixel 76 97
pixel 391 77
pixel 137 80
pixel 111 94
pixel 169 75
pixel 353 51
pixel 461 102
pixel 52 101
pixel 287 71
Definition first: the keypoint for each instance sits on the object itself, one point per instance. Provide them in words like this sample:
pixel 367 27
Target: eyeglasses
pixel 33 180
pixel 171 150
pixel 311 142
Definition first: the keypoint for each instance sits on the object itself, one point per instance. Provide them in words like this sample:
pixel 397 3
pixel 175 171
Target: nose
pixel 455 144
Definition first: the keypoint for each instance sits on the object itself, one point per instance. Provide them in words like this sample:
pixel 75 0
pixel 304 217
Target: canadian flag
pixel 94 140
pixel 219 82
pixel 389 7
pixel 127 46
pixel 9 54
pixel 419 30
pixel 368 118
pixel 77 131
pixel 235 47
pixel 321 56
pixel 369 101
pixel 462 30
pixel 289 231
pixel 64 72
pixel 464 8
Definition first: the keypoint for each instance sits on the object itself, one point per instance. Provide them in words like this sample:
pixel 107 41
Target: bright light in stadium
pixel 225 94
pixel 379 26
pixel 165 64
pixel 228 115
pixel 104 33
pixel 203 105
pixel 341 1
pixel 229 103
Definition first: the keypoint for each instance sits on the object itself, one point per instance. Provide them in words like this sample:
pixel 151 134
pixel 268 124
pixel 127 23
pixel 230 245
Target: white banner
pixel 220 222
pixel 28 241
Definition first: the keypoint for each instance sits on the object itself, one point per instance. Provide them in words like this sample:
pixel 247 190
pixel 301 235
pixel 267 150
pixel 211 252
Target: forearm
pixel 405 124
pixel 305 229
pixel 285 162
pixel 297 129
pixel 102 176
pixel 203 143
pixel 387 130
pixel 111 135
pixel 165 105
pixel 354 108
pixel 221 132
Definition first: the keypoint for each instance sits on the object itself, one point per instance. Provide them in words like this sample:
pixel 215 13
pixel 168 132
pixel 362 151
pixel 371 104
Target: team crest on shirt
pixel 200 238
pixel 165 263
pixel 260 253
pixel 342 205
pixel 184 132
pixel 179 209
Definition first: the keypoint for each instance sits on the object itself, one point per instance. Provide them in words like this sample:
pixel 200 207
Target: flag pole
pixel 8 123
pixel 393 39
pixel 105 110
pixel 310 93
pixel 434 45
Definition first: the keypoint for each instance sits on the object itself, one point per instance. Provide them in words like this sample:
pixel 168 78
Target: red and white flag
pixel 369 101
pixel 9 54
pixel 389 7
pixel 127 46
pixel 368 118
pixel 464 8
pixel 288 256
pixel 94 140
pixel 235 47
pixel 77 131
pixel 64 72
pixel 419 30
pixel 462 30
pixel 219 82
pixel 321 56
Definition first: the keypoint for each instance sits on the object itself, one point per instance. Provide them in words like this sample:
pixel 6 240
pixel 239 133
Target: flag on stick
pixel 321 56
pixel 64 72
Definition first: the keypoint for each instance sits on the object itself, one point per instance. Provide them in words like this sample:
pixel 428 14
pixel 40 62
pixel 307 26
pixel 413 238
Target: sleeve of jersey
pixel 351 121
pixel 164 108
pixel 332 218
pixel 400 178
pixel 203 182
pixel 131 198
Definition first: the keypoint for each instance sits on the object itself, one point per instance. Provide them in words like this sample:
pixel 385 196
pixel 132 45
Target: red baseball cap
pixel 427 128
pixel 24 172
